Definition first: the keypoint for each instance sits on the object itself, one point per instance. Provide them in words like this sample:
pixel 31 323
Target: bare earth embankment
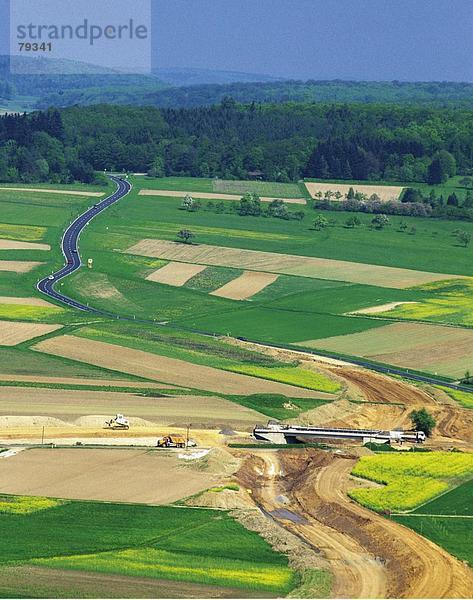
pixel 285 264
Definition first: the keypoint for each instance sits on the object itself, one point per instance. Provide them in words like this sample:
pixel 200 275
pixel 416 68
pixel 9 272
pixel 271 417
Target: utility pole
pixel 187 436
pixel 42 437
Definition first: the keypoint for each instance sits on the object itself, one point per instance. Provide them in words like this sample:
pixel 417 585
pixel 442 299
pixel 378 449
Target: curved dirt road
pixel 370 555
pixel 356 573
pixel 453 421
pixel 416 567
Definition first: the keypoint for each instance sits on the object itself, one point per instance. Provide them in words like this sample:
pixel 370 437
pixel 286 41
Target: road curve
pixel 70 248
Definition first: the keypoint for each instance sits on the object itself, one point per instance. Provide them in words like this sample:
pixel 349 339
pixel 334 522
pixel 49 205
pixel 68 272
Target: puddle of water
pixel 288 515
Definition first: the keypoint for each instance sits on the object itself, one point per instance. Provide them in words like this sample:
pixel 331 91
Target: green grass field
pixel 278 407
pixel 446 520
pixel 181 544
pixel 455 502
pixel 455 535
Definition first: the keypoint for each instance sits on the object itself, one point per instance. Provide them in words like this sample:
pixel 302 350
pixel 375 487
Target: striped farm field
pixel 422 347
pixel 26 233
pixel 48 190
pixel 169 370
pixel 211 196
pixel 13 333
pixel 142 543
pixel 318 268
pixel 6 244
pixel 385 192
pixel 245 286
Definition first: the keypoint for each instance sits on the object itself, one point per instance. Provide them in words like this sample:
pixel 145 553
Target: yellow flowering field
pixel 410 479
pixel 25 505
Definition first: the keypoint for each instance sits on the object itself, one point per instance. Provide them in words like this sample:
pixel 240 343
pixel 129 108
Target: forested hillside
pixel 281 142
pixel 190 96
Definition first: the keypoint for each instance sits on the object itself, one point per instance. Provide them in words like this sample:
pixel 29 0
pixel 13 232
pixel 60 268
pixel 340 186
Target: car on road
pixel 51 277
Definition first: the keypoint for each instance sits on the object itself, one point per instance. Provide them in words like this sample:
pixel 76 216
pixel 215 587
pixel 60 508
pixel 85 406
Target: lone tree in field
pixel 187 202
pixel 185 236
pixel 464 238
pixel 320 223
pixel 422 420
pixel 352 222
pixel 380 221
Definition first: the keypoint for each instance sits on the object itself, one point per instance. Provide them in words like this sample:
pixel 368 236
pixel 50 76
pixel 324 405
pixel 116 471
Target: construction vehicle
pixel 172 440
pixel 278 433
pixel 118 422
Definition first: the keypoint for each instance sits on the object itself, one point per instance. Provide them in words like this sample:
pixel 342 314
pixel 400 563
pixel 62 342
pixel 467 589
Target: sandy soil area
pixel 117 475
pixel 373 310
pixel 15 245
pixel 50 191
pixel 19 266
pixel 179 410
pixel 175 273
pixel 245 286
pixel 212 196
pixel 169 370
pixel 13 333
pixel 385 192
pixel 89 430
pixel 286 264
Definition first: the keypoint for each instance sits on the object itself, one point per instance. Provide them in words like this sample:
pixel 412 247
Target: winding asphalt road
pixel 70 248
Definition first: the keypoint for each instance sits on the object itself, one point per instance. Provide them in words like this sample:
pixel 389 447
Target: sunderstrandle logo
pixel 113 35
pixel 85 31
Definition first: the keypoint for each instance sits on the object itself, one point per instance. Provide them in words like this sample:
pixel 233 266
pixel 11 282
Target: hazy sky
pixel 359 39
pixel 320 39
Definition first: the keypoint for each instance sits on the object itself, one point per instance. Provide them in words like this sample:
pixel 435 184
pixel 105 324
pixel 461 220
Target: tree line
pixel 275 142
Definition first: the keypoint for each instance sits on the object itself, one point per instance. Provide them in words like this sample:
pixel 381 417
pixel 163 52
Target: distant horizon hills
pixel 44 84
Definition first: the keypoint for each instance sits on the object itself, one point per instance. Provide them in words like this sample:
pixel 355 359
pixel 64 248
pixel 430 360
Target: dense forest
pixel 191 96
pixel 280 142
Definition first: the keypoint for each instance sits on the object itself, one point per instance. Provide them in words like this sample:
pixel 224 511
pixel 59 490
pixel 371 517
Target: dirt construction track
pixel 371 556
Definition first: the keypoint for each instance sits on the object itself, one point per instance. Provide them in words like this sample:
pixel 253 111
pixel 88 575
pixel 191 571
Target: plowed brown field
pixel 245 286
pixel 13 333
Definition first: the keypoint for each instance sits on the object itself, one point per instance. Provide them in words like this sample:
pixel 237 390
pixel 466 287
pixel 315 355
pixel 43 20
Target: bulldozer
pixel 118 422
pixel 172 441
